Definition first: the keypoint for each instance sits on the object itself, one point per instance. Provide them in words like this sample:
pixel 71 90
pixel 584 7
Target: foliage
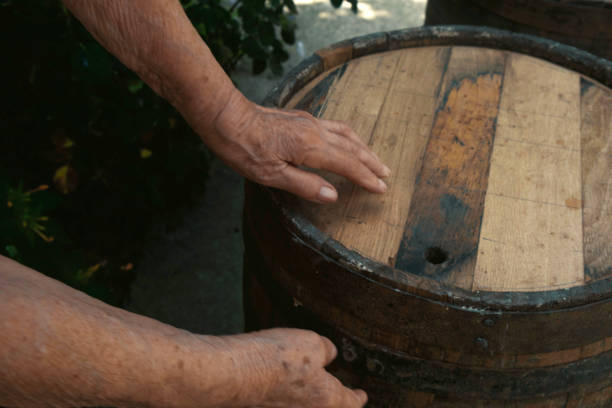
pixel 29 236
pixel 116 155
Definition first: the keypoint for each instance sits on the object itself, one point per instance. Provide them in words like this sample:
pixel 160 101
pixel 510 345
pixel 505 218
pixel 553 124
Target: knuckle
pixel 267 173
pixel 344 127
pixel 332 392
pixel 362 154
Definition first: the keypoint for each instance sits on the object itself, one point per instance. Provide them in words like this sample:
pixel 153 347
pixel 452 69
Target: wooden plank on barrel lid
pixel 355 99
pixel 531 234
pixel 442 229
pixel 373 224
pixel 313 97
pixel 596 133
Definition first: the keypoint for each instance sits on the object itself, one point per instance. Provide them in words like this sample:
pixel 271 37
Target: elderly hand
pixel 285 368
pixel 268 146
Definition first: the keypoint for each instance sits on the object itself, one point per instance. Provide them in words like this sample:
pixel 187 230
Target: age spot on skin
pixel 180 364
pixel 306 360
pixel 286 365
pixel 299 383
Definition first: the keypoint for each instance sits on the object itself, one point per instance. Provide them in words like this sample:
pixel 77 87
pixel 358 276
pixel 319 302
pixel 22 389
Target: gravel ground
pixel 191 274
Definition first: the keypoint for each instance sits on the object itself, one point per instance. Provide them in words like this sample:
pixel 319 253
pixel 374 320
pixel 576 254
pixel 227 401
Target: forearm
pixel 60 347
pixel 155 39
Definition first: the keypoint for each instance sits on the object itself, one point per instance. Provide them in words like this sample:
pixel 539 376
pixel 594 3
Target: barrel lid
pixel 501 165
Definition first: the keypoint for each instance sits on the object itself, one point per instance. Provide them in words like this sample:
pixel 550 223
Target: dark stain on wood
pixel 315 100
pixel 596 200
pixel 406 336
pixel 448 202
pixel 585 85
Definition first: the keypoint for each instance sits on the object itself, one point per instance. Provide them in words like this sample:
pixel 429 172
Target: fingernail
pixel 386 171
pixel 327 194
pixel 382 185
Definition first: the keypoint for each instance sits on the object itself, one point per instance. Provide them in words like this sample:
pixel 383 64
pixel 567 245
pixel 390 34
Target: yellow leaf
pixel 42 187
pixel 88 273
pixel 65 179
pixel 145 153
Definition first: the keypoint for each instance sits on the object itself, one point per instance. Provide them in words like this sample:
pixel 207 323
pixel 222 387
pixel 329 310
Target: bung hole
pixel 435 255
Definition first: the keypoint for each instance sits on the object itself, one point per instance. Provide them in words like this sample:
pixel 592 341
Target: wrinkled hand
pixel 268 146
pixel 285 368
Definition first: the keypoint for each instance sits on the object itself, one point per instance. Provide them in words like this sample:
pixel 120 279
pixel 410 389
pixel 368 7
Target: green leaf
pixel 201 29
pixel 280 54
pixel 135 86
pixel 259 66
pixel 266 33
pixel 93 62
pixel 291 6
pixel 253 48
pixel 288 36
pixel 336 3
pixel 12 251
pixel 276 67
pixel 190 4
pixel 353 5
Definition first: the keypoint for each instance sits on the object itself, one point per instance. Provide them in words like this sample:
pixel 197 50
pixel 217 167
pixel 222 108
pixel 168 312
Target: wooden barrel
pixel 585 24
pixel 483 277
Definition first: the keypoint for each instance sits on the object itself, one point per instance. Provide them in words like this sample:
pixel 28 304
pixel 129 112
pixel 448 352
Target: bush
pixel 116 155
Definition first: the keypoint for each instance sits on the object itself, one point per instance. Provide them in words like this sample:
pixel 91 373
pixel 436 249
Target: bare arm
pixel 60 347
pixel 156 39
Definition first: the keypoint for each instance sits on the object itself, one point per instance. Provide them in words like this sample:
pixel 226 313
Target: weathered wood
pixel 398 137
pixel 584 25
pixel 358 100
pixel 336 54
pixel 523 144
pixel 531 236
pixel 444 219
pixel 596 130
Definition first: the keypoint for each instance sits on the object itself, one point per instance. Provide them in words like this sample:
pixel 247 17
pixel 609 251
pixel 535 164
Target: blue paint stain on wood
pixel 453 207
pixel 448 200
pixel 585 85
pixel 315 100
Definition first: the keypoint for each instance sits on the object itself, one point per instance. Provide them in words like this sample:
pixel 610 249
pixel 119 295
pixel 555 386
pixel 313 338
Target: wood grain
pixel 531 235
pixel 389 100
pixel 444 218
pixel 356 99
pixel 313 97
pixel 372 224
pixel 457 155
pixel 596 134
pixel 528 229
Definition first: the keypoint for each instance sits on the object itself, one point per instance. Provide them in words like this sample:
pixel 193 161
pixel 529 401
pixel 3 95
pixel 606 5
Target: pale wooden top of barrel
pixel 501 167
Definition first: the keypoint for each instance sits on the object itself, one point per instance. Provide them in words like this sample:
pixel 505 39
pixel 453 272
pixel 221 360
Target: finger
pixel 339 396
pixel 343 129
pixel 362 397
pixel 306 185
pixel 371 159
pixel 345 164
pixel 330 350
pixel 364 154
